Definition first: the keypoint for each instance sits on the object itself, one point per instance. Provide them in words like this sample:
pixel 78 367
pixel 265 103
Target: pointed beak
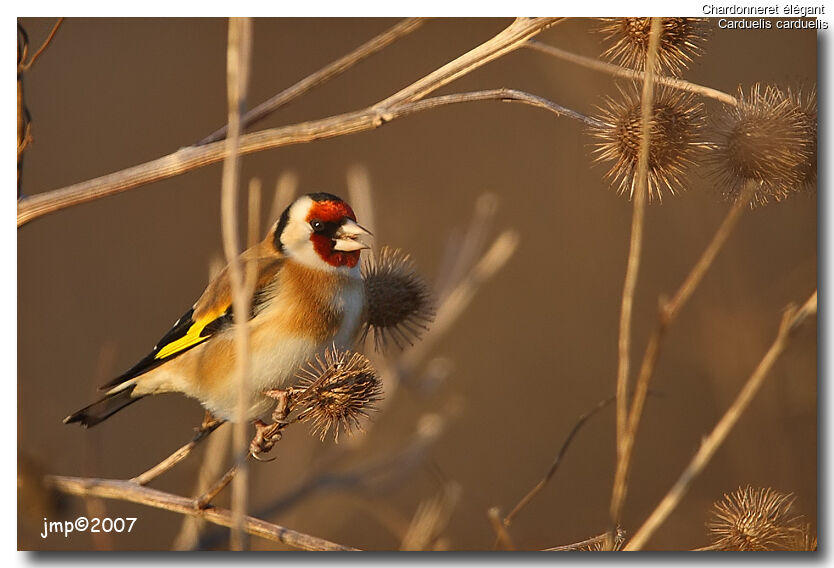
pixel 349 237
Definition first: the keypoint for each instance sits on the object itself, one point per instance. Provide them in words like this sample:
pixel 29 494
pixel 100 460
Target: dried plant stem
pixel 28 65
pixel 131 492
pixel 396 106
pixel 634 253
pixel 321 76
pixel 191 158
pixel 667 314
pixel 177 456
pixel 214 490
pixel 210 470
pixel 632 74
pixel 671 308
pixel 791 321
pixel 237 72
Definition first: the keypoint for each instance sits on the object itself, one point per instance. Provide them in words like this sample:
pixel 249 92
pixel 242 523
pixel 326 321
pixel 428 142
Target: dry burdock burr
pixel 399 302
pixel 676 138
pixel 752 519
pixel 768 138
pixel 681 40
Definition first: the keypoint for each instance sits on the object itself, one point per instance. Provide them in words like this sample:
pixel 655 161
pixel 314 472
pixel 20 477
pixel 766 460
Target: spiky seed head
pixel 768 139
pixel 681 40
pixel 336 391
pixel 399 303
pixel 806 103
pixel 677 124
pixel 755 519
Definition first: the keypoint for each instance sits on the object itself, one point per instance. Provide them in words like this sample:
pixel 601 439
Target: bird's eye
pixel 317 225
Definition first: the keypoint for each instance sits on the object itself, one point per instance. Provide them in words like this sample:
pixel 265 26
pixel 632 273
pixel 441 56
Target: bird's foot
pixel 266 436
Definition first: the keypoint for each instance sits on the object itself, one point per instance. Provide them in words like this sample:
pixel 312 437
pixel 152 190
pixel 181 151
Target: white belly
pixel 278 366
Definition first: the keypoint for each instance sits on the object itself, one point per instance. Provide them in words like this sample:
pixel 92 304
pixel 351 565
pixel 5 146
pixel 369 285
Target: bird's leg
pixel 282 404
pixel 267 435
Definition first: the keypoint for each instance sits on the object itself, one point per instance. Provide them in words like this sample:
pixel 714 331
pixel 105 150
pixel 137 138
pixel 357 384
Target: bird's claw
pixel 266 436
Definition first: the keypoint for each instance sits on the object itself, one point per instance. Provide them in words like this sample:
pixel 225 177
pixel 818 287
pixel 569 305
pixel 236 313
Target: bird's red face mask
pixel 336 235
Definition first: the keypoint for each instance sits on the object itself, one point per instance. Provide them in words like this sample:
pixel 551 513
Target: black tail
pixel 103 409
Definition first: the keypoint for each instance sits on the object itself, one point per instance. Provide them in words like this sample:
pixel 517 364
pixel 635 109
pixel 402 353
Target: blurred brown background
pixel 98 284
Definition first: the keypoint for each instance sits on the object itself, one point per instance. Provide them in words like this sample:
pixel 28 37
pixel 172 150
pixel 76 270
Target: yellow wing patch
pixel 191 338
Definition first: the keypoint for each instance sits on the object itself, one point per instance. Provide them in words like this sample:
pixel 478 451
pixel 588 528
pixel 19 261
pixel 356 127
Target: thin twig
pixel 131 492
pixel 671 308
pixel 791 321
pixel 557 461
pixel 667 313
pixel 204 500
pixel 321 76
pixel 177 456
pixel 28 65
pixel 187 159
pixel 210 470
pixel 237 73
pixel 505 95
pixel 632 74
pixel 634 253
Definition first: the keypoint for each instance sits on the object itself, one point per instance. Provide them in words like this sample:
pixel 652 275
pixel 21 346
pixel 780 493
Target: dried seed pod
pixel 399 304
pixel 806 102
pixel 768 139
pixel 681 40
pixel 336 391
pixel 677 123
pixel 755 519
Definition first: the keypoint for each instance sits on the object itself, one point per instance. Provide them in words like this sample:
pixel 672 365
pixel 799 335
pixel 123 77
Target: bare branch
pixel 28 65
pixel 791 321
pixel 191 158
pixel 133 493
pixel 321 76
pixel 396 106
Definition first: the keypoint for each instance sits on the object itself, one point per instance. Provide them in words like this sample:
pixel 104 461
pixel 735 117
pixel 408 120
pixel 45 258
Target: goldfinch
pixel 308 296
